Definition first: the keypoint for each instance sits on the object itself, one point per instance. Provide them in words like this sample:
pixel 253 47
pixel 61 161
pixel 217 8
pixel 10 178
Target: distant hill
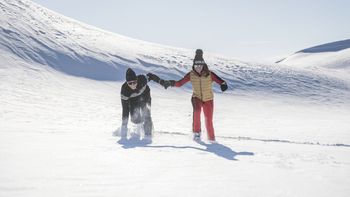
pixel 335 55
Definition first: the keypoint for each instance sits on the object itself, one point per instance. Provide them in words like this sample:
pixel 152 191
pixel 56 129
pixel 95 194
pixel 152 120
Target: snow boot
pixel 196 136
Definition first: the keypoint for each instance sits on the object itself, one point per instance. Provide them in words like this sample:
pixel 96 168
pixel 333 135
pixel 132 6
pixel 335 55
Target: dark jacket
pixel 133 100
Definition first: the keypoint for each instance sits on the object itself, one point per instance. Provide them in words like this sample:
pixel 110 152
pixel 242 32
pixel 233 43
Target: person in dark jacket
pixel 201 79
pixel 136 102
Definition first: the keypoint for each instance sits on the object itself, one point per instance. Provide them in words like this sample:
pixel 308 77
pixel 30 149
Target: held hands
pixel 164 83
pixel 223 86
pixel 167 83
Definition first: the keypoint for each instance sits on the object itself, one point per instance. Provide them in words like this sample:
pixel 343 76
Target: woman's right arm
pixel 181 82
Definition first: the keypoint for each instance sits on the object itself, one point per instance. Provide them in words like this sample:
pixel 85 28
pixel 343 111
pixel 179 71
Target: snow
pixel 335 55
pixel 57 140
pixel 281 131
pixel 71 47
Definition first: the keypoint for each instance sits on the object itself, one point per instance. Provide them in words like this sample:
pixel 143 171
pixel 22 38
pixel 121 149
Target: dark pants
pixel 142 115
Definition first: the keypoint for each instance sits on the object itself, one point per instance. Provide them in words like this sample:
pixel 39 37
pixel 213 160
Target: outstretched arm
pixel 155 78
pixel 181 82
pixel 167 83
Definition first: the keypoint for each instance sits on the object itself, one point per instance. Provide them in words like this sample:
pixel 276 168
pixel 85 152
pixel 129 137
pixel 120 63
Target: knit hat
pixel 130 75
pixel 198 58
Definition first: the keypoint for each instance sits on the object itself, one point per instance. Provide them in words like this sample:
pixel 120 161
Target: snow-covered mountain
pixel 36 34
pixel 334 55
pixel 60 106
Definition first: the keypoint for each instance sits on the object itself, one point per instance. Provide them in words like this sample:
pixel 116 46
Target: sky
pixel 250 30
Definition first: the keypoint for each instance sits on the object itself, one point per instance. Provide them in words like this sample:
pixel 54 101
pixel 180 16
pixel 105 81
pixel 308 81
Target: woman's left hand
pixel 223 86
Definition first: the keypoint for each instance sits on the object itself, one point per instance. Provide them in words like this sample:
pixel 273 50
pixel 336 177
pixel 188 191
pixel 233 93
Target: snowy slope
pixel 56 139
pixel 60 108
pixel 42 36
pixel 335 55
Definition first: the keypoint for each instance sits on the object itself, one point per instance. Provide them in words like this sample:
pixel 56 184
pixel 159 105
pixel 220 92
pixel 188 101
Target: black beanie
pixel 130 75
pixel 198 58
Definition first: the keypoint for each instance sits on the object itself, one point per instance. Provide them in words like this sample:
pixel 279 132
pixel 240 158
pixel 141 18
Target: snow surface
pixel 42 36
pixel 281 131
pixel 335 55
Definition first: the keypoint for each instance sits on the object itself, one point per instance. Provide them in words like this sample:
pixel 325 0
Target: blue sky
pixel 255 30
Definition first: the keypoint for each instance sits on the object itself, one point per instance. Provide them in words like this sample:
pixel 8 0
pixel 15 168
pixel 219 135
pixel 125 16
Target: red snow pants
pixel 208 108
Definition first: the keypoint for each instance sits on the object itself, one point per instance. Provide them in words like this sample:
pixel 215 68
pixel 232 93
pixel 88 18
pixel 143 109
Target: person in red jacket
pixel 201 78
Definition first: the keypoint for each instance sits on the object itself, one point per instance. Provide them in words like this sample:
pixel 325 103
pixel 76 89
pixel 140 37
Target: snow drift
pixel 334 55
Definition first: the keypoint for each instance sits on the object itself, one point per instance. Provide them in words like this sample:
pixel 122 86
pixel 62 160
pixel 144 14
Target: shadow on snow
pixel 215 148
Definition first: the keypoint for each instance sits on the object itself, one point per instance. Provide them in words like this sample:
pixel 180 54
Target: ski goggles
pixel 198 65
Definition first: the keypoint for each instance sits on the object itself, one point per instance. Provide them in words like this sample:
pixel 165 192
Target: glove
pixel 223 86
pixel 153 77
pixel 172 83
pixel 168 83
